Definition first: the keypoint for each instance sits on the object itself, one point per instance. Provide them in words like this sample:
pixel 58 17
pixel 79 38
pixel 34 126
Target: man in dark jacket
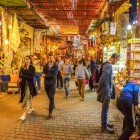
pixel 105 90
pixel 128 98
pixel 50 71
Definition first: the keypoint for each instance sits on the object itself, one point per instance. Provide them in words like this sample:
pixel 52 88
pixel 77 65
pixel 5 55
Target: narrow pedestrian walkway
pixel 73 119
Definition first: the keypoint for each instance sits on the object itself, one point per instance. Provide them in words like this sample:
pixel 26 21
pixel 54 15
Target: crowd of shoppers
pixel 57 73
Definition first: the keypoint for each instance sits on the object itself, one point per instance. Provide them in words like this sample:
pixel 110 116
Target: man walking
pixel 50 71
pixel 105 90
pixel 59 75
pixel 81 74
pixel 66 73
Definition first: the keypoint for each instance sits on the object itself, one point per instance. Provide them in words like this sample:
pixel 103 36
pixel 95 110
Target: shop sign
pixel 69 30
pixel 76 41
pixel 112 28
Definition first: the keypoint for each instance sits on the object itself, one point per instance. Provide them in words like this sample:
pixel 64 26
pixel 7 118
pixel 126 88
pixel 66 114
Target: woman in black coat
pixel 27 73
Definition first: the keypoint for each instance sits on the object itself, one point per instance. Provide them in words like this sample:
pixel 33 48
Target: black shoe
pixel 21 100
pixel 50 116
pixel 110 125
pixel 107 130
pixel 66 97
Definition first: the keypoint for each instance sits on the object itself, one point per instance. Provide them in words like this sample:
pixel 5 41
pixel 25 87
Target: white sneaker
pixel 31 110
pixel 22 117
pixel 39 91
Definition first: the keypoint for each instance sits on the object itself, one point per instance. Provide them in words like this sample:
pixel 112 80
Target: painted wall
pixel 31 35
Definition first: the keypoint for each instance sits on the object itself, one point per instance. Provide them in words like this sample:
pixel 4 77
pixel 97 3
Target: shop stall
pixel 16 41
pixel 112 48
pixel 133 60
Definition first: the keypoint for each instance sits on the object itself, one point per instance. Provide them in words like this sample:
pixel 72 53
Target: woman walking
pixel 27 73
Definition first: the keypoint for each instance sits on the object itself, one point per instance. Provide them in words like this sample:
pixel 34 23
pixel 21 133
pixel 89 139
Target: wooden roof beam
pixel 103 11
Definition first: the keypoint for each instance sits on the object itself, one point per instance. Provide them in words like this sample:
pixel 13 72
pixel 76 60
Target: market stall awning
pixel 23 12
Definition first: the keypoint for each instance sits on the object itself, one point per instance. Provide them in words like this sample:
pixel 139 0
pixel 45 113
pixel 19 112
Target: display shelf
pixel 133 60
pixel 108 51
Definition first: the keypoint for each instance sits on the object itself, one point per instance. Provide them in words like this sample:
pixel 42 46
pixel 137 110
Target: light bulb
pixel 129 27
pixel 105 48
pixel 6 42
pixel 10 26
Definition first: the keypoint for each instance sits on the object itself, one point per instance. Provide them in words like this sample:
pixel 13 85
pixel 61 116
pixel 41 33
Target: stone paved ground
pixel 73 119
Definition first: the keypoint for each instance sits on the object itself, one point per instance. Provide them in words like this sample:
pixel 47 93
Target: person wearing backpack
pixel 104 91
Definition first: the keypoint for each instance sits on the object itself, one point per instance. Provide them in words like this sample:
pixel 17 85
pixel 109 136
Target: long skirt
pixel 27 101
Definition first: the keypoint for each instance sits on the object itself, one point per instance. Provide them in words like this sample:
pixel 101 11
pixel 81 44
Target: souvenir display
pixel 133 60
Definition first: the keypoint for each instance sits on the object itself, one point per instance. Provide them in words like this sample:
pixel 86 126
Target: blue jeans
pixel 105 108
pixel 37 79
pixel 66 85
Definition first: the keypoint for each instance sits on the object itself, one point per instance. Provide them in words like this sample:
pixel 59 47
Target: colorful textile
pixel 15 34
